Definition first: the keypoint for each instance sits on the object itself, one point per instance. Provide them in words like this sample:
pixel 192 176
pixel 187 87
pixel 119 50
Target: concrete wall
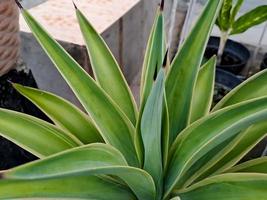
pixel 127 39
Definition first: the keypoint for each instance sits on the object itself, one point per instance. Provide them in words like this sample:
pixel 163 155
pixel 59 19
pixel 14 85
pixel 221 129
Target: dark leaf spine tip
pixel 165 59
pixel 156 72
pixel 74 5
pixel 9 81
pixel 162 5
pixel 19 4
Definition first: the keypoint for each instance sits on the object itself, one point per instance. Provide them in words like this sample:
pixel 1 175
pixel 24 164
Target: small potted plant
pixel 233 56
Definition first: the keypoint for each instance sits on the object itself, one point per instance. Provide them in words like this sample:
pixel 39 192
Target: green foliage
pixel 225 15
pixel 228 23
pixel 173 147
pixel 250 19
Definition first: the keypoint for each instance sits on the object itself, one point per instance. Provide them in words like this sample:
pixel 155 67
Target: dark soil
pixel 264 62
pixel 10 154
pixel 219 92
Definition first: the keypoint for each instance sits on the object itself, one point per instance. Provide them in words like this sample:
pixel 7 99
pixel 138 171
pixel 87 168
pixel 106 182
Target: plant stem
pixel 223 40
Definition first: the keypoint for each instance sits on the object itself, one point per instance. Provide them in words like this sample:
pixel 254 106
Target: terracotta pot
pixel 9 35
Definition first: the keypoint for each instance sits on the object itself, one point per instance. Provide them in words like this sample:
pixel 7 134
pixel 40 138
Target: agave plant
pixel 172 147
pixel 229 25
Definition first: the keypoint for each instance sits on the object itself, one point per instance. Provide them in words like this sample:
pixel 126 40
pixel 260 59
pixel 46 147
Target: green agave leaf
pixel 184 69
pixel 250 19
pixel 95 159
pixel 151 132
pixel 207 161
pixel 106 69
pixel 253 87
pixel 229 186
pixel 114 126
pixel 251 137
pixel 165 133
pixel 225 13
pixel 209 132
pixel 235 10
pixel 65 162
pixel 258 165
pixel 203 92
pixel 153 59
pixel 34 135
pixel 65 187
pixel 64 114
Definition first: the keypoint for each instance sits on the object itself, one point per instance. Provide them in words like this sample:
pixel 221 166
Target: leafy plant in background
pixel 229 25
pixel 172 147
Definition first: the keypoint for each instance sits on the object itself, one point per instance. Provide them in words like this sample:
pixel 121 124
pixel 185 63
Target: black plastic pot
pixel 235 56
pixel 10 154
pixel 225 82
pixel 264 62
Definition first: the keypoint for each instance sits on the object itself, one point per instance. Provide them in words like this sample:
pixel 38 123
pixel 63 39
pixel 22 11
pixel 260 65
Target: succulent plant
pixel 172 147
pixel 229 25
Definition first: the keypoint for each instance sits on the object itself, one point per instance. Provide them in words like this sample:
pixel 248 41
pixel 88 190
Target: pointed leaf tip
pixel 9 81
pixel 74 5
pixel 162 5
pixel 16 85
pixel 19 4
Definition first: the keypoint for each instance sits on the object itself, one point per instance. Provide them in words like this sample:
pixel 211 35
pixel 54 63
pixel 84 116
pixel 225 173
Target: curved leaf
pixel 258 165
pixel 184 69
pixel 251 137
pixel 207 161
pixel 203 92
pixel 106 69
pixel 153 57
pixel 34 135
pixel 89 157
pixel 253 87
pixel 229 186
pixel 250 19
pixel 66 187
pixel 151 125
pixel 95 159
pixel 152 60
pixel 207 133
pixel 64 114
pixel 114 126
pixel 165 133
